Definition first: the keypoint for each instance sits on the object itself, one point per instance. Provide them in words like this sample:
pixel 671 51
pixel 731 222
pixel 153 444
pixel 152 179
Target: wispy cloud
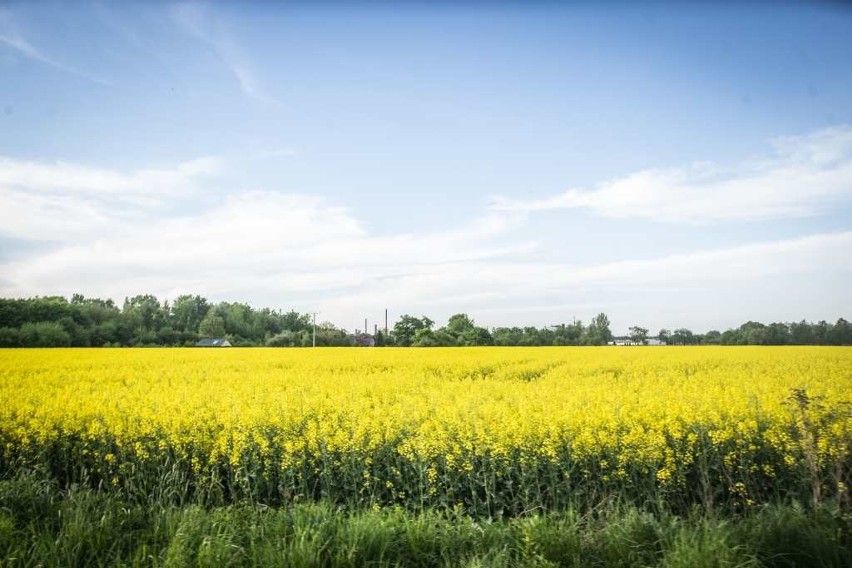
pixel 281 249
pixel 199 21
pixel 69 201
pixel 805 176
pixel 110 232
pixel 108 242
pixel 710 286
pixel 268 242
pixel 38 176
pixel 23 47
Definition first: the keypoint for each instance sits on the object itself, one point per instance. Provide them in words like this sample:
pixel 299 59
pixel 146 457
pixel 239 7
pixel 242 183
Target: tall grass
pixel 43 525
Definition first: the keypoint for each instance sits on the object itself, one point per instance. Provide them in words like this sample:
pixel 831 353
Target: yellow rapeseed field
pixel 493 429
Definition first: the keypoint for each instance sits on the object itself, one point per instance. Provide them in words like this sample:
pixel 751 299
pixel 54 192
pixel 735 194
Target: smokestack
pixel 386 321
pixel 365 327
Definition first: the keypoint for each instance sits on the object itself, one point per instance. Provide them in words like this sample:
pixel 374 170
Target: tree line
pixel 756 333
pixel 55 321
pixel 145 321
pixel 462 330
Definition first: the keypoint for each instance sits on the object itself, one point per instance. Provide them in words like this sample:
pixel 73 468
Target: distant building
pixel 213 343
pixel 628 341
pixel 363 340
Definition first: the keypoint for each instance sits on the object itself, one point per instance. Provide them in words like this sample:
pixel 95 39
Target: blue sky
pixel 672 164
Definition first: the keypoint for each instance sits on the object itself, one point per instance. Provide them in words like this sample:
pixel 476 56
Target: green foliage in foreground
pixel 41 525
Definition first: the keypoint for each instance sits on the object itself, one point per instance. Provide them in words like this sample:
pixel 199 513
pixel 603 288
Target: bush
pixel 10 337
pixel 283 339
pixel 44 334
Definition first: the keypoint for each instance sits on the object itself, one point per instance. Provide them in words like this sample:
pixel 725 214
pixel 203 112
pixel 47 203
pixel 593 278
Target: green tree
pixel 821 330
pixel 286 338
pixel 44 334
pixel 380 339
pixel 10 337
pixel 187 312
pixel 598 332
pixel 328 335
pixel 639 334
pixel 79 334
pixel 682 336
pixel 239 322
pixel 146 310
pixel 507 335
pixel 753 333
pixel 47 308
pixel 407 326
pixel 464 331
pixel 569 334
pixel 777 334
pixel 841 333
pixel 478 336
pixel 424 337
pixel 167 336
pixel 712 337
pixel 103 334
pixel 12 312
pixel 295 321
pixel 90 312
pixel 801 333
pixel 458 324
pixel 212 326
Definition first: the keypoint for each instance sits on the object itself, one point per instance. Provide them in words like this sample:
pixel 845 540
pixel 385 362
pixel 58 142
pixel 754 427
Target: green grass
pixel 41 524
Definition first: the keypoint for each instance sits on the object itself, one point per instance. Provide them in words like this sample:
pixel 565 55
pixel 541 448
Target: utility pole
pixel 315 330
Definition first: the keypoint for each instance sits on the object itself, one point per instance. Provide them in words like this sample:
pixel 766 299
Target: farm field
pixel 497 435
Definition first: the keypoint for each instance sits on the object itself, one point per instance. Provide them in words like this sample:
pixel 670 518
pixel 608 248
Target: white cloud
pixel 708 287
pixel 111 235
pixel 64 176
pixel 113 238
pixel 299 251
pixel 807 175
pixel 197 20
pixel 61 200
pixel 248 242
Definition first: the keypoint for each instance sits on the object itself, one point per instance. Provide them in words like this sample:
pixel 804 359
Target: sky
pixel 670 164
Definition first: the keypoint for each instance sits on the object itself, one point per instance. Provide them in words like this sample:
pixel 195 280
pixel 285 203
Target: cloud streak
pixel 23 47
pixel 805 177
pixel 198 21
